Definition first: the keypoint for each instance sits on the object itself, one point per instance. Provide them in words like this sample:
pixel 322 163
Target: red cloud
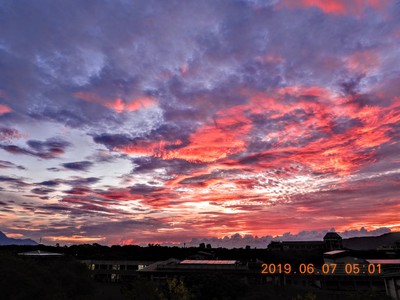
pixel 312 143
pixel 307 137
pixel 216 140
pixel 332 152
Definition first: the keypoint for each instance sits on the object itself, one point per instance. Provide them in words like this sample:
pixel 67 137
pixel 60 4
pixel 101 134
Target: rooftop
pixel 40 253
pixel 334 252
pixel 207 262
pixel 332 235
pixel 384 261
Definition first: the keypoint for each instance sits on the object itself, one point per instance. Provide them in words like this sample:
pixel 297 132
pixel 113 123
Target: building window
pixel 141 267
pixel 115 267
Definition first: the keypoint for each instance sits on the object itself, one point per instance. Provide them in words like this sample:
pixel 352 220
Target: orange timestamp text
pixel 325 269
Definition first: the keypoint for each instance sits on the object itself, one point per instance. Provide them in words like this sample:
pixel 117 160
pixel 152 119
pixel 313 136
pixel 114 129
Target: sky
pixel 135 122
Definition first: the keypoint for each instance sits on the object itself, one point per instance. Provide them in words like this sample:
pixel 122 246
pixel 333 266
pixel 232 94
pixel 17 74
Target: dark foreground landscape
pixel 157 272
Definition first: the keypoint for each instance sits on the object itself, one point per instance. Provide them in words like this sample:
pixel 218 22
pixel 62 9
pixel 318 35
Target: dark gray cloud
pixel 53 169
pixel 143 189
pixel 48 149
pixel 127 226
pixel 7 134
pixel 50 145
pixel 17 150
pixel 9 165
pixel 13 180
pixel 172 166
pixel 78 190
pixel 219 36
pixel 78 166
pixel 104 156
pixel 81 181
pixel 49 183
pixel 112 140
pixel 73 181
pixel 42 191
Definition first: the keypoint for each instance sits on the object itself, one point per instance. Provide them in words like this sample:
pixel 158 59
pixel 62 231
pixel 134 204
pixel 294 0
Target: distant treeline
pixel 48 279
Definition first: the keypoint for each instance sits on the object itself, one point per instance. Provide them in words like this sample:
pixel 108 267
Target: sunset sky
pixel 163 121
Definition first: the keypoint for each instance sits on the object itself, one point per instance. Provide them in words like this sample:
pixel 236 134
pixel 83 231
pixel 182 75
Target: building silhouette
pixel 331 241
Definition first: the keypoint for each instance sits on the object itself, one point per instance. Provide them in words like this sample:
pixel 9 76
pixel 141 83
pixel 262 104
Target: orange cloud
pixel 142 102
pixel 74 239
pixel 118 105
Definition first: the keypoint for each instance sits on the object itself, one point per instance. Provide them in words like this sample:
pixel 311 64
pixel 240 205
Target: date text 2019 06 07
pixel 325 269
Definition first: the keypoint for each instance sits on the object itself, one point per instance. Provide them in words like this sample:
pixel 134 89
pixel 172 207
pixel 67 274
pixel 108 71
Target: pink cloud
pixel 4 109
pixel 117 104
pixel 337 7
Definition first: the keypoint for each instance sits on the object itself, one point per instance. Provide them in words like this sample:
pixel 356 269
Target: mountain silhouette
pixel 4 241
pixel 371 242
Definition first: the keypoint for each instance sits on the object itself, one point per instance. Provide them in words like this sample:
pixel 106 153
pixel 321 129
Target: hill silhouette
pixel 371 242
pixel 4 241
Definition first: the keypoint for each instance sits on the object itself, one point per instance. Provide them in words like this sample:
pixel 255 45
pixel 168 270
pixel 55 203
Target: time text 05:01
pixel 325 269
